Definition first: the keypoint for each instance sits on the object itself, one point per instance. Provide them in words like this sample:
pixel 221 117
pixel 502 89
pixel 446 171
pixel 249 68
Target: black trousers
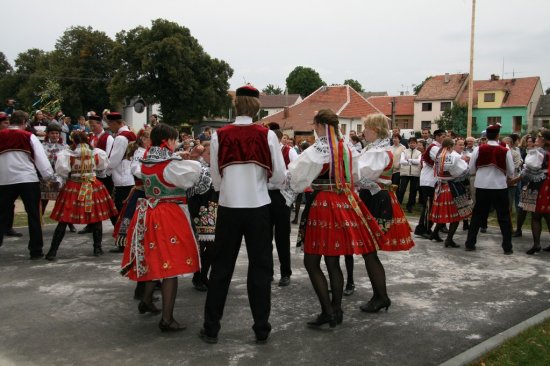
pixel 121 193
pixel 11 217
pixel 413 190
pixel 485 199
pixel 30 195
pixel 426 200
pixel 279 213
pixel 231 225
pixel 108 183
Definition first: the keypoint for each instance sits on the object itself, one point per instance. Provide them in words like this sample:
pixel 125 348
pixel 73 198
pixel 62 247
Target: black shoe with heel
pixel 323 319
pixel 146 308
pixel 533 250
pixel 435 236
pixel 451 244
pixel 374 305
pixel 171 326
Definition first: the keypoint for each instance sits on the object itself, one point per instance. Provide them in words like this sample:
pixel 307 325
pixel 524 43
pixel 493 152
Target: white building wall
pixel 432 115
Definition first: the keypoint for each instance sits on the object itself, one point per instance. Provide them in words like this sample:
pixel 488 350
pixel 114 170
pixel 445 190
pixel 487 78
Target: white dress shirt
pixel 490 177
pixel 427 177
pixel 245 185
pixel 118 166
pixel 17 167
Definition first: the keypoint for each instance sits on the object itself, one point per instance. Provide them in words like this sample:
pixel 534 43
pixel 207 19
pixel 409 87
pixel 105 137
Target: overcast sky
pixel 385 45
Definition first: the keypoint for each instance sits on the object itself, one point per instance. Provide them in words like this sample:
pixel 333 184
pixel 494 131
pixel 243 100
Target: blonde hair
pixel 247 106
pixel 379 123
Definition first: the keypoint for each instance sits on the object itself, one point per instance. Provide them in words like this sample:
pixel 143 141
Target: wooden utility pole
pixel 471 76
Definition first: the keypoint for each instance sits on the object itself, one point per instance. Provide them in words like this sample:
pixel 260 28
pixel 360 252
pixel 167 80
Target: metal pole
pixel 471 76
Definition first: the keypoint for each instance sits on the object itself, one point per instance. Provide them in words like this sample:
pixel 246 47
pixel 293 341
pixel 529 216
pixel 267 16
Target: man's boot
pixel 58 235
pixel 97 234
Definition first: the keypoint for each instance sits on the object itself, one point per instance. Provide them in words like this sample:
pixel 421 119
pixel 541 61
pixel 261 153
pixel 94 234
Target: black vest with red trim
pixel 426 159
pixel 286 154
pixel 16 140
pixel 494 155
pixel 244 144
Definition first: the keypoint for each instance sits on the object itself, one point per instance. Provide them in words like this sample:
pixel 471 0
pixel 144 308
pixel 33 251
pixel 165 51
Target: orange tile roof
pixel 342 99
pixel 519 90
pixel 436 88
pixel 404 104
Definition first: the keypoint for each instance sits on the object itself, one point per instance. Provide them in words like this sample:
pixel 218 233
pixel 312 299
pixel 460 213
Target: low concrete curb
pixel 475 353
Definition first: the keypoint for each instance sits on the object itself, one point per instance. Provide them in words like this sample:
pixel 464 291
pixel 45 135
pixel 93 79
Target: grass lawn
pixel 20 219
pixel 531 347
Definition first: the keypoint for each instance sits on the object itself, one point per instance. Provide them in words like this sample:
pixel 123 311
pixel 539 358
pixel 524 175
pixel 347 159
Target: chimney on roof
pixel 447 78
pixel 286 112
pixel 495 77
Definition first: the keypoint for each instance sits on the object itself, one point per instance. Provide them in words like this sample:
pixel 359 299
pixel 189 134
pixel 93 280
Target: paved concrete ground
pixel 79 311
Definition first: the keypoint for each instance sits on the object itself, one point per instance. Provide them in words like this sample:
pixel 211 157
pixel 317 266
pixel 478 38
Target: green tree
pixel 31 71
pixel 165 64
pixel 547 91
pixel 5 66
pixel 271 89
pixel 354 84
pixel 81 65
pixel 455 119
pixel 7 81
pixel 417 88
pixel 303 81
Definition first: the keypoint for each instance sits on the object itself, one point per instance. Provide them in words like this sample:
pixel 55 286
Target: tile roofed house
pixel 437 94
pixel 542 112
pixel 349 105
pixel 274 103
pixel 369 94
pixel 404 108
pixel 510 102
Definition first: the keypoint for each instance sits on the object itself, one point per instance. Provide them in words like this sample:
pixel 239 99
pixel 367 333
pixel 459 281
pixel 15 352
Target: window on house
pixel 546 123
pixel 426 124
pixel 343 129
pixel 493 120
pixel 516 123
pixel 489 97
pixel 359 129
pixel 445 106
pixel 426 107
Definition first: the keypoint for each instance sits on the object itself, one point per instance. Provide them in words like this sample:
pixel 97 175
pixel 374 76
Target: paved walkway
pixel 79 311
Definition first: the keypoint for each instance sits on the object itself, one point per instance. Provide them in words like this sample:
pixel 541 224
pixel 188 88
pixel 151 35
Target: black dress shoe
pixel 285 281
pixel 13 233
pixel 349 290
pixel 547 249
pixel 86 230
pixel 517 234
pixel 37 256
pixel 451 244
pixel 262 339
pixel 172 326
pixel 146 308
pixel 533 250
pixel 207 338
pixel 470 249
pixel 374 305
pixel 508 252
pixel 436 237
pixel 322 319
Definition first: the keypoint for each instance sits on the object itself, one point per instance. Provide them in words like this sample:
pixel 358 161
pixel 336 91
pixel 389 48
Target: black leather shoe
pixel 470 249
pixel 98 251
pixel 547 249
pixel 533 250
pixel 37 256
pixel 349 290
pixel 13 233
pixel 451 244
pixel 508 252
pixel 321 320
pixel 262 339
pixel 172 326
pixel 374 305
pixel 436 237
pixel 206 338
pixel 517 234
pixel 285 281
pixel 145 308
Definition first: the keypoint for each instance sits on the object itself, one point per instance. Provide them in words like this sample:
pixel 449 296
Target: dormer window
pixel 489 97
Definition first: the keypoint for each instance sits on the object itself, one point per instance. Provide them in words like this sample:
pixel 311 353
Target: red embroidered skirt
pixel 543 198
pixel 70 210
pixel 334 228
pixel 399 233
pixel 445 209
pixel 167 247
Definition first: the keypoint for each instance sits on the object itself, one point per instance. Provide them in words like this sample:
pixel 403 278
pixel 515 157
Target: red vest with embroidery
pixel 426 159
pixel 16 140
pixel 286 154
pixel 101 142
pixel 494 155
pixel 128 134
pixel 244 144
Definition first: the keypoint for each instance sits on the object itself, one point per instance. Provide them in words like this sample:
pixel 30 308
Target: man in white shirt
pixel 493 166
pixel 119 168
pixel 409 173
pixel 244 157
pixel 21 155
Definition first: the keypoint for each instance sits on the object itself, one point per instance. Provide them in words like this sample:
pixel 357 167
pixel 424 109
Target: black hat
pixel 248 91
pixel 114 116
pixel 94 118
pixel 3 116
